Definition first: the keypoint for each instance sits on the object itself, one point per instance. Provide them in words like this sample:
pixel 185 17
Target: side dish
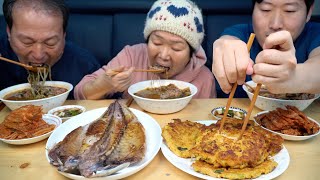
pixel 236 113
pixel 68 112
pixel 24 122
pixel 289 121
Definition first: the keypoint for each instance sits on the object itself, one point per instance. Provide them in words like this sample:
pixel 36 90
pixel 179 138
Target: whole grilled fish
pixel 93 149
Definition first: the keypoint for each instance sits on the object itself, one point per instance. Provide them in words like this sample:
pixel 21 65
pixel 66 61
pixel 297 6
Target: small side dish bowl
pixel 233 112
pixel 50 119
pixel 46 103
pixel 162 106
pixel 287 136
pixel 269 104
pixel 67 111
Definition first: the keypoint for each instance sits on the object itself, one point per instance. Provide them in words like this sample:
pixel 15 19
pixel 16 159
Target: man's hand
pixel 231 62
pixel 276 63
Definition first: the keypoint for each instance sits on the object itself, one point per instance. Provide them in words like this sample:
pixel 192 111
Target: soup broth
pixel 26 94
pixel 164 92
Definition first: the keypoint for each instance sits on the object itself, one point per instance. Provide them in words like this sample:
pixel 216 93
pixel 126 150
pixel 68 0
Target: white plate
pixel 152 131
pixel 184 164
pixel 50 119
pixel 59 108
pixel 287 136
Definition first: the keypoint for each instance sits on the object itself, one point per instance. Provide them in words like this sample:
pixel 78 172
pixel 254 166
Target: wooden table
pixel 304 155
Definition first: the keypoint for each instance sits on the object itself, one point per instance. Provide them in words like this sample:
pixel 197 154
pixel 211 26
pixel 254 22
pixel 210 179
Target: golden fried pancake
pixel 245 173
pixel 181 136
pixel 224 150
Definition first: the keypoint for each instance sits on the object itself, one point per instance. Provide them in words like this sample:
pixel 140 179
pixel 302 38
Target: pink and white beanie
pixel 179 17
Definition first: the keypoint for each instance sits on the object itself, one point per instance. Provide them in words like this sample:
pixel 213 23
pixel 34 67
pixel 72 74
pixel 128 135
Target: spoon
pixel 28 67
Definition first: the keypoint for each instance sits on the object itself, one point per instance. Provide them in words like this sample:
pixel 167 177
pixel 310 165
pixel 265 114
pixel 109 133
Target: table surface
pixel 304 155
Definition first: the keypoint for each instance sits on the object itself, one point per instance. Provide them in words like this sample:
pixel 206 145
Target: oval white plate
pixel 59 108
pixel 50 119
pixel 184 164
pixel 231 108
pixel 287 136
pixel 152 131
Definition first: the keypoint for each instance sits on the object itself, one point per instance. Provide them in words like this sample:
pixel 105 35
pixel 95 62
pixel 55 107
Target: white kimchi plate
pixel 50 119
pixel 287 136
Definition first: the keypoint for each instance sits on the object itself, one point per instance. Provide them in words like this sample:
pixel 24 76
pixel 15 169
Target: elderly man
pixel 36 31
pixel 286 50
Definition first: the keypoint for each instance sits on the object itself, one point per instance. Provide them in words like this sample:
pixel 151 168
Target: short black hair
pixel 309 3
pixel 57 6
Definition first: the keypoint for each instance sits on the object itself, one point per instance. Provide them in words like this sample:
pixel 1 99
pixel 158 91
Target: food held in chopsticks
pixel 24 122
pixel 219 153
pixel 289 121
pixel 109 144
pixel 159 68
pixel 170 91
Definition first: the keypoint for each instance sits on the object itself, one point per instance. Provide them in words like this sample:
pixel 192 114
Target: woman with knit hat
pixel 174 33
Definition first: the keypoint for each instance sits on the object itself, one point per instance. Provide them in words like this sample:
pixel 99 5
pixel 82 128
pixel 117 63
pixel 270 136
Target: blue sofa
pixel 104 27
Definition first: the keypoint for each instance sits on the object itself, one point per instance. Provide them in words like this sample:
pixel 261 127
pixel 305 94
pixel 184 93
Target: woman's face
pixel 168 50
pixel 271 16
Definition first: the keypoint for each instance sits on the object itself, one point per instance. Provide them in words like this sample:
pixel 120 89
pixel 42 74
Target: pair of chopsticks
pixel 234 87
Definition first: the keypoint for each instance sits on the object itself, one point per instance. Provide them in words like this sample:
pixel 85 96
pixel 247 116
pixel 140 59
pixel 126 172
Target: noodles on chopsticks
pixel 37 81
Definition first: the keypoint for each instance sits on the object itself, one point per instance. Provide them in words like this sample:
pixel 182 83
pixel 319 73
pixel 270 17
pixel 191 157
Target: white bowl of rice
pixel 46 103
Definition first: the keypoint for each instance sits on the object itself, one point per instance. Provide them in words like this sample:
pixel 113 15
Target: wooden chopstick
pixel 234 87
pixel 28 67
pixel 15 62
pixel 129 101
pixel 2 105
pixel 115 72
pixel 253 101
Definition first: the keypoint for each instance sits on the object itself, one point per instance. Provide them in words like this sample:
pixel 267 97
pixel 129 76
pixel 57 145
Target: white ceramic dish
pixel 152 131
pixel 235 110
pixel 162 106
pixel 50 119
pixel 46 103
pixel 269 104
pixel 184 164
pixel 287 136
pixel 58 111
